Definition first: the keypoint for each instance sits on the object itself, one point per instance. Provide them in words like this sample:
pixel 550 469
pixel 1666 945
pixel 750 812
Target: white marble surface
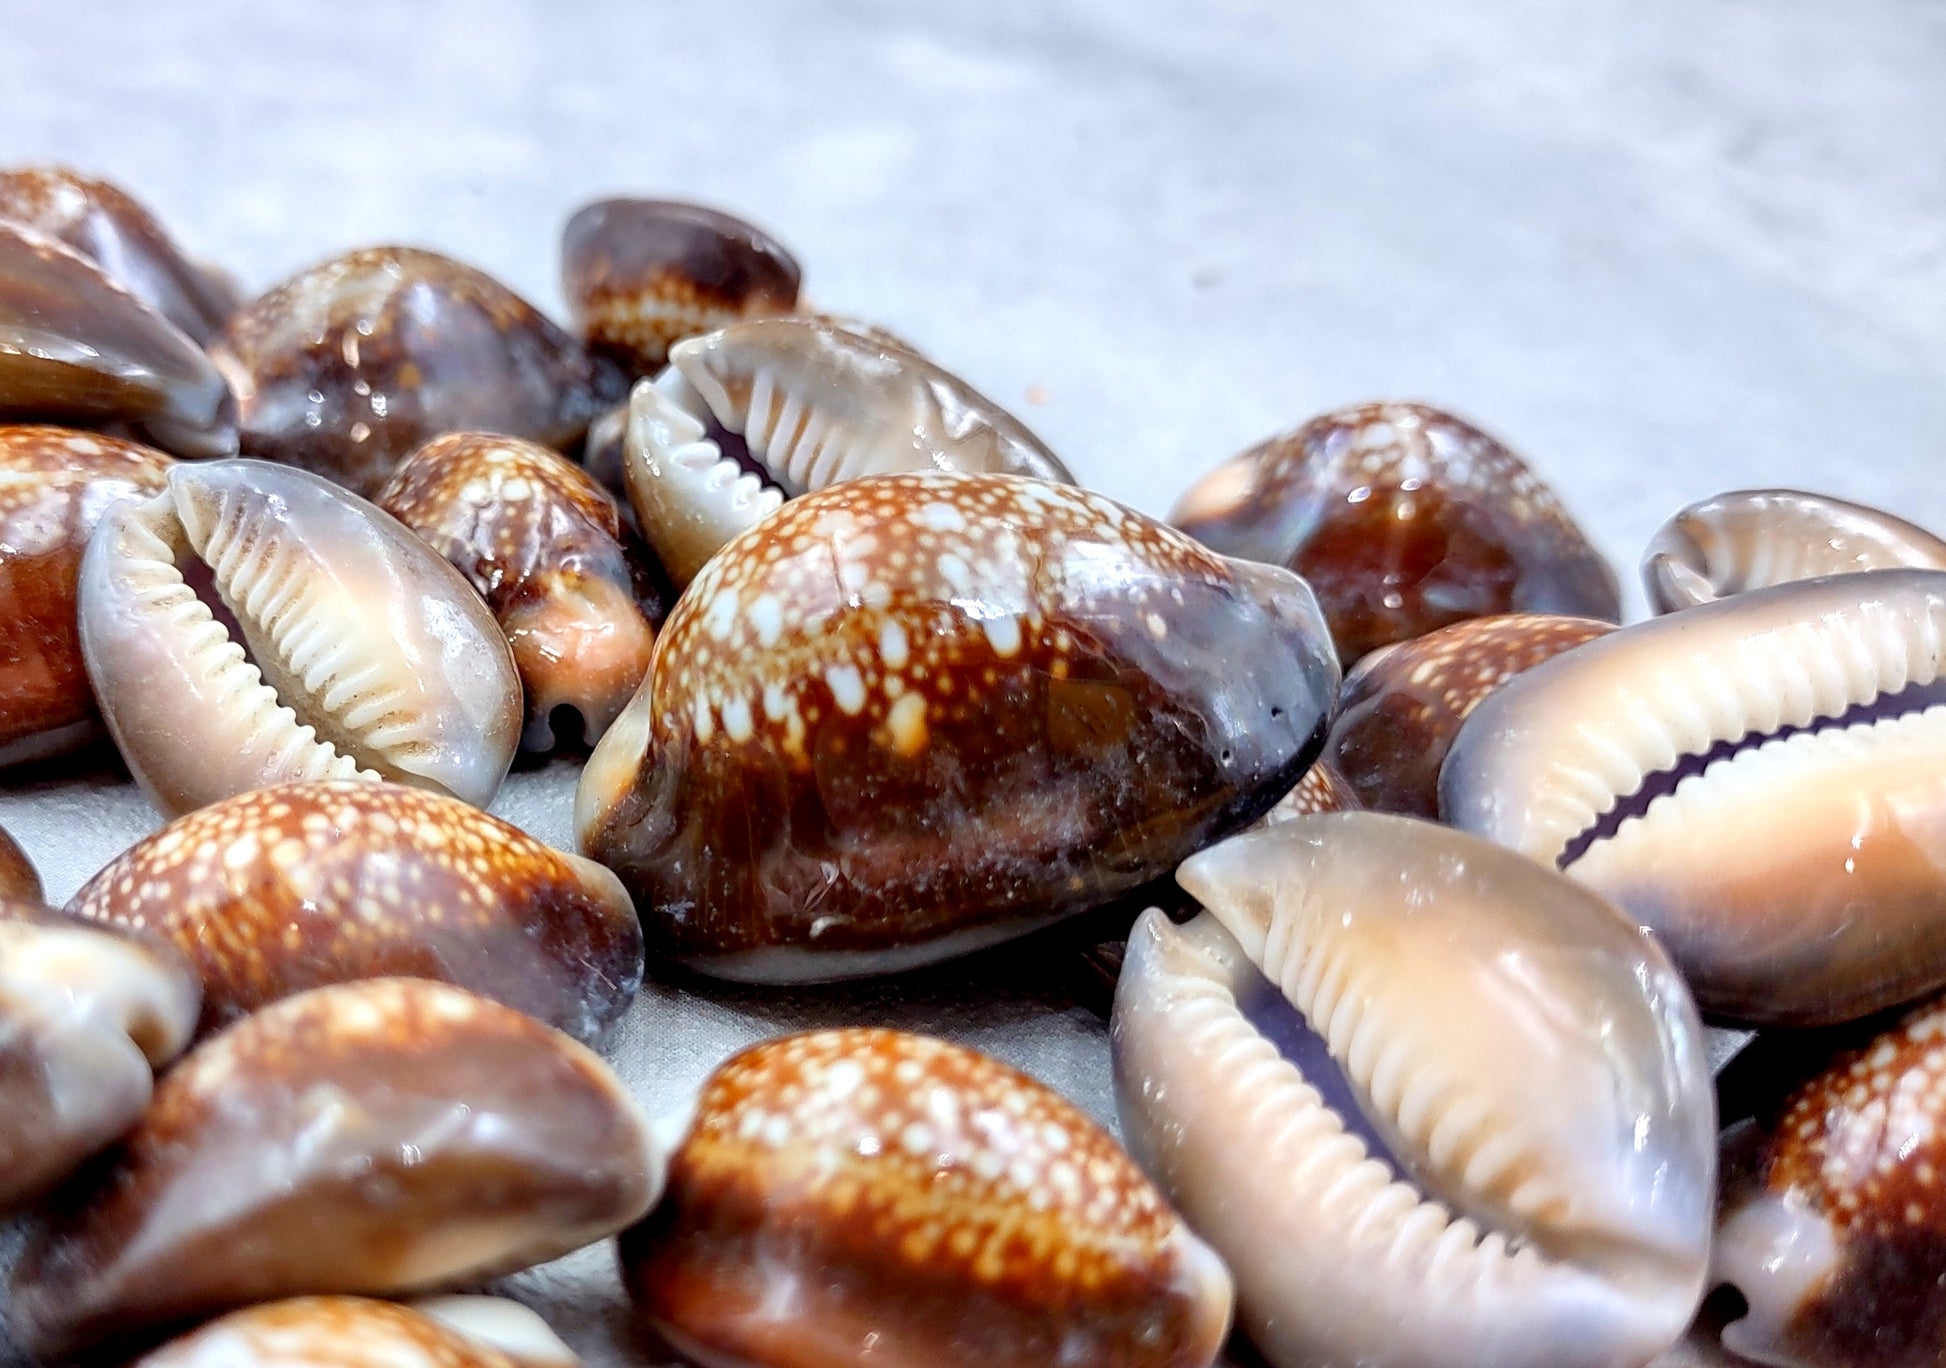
pixel 1662 247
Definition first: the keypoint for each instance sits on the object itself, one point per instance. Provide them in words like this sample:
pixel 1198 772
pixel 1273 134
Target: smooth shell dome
pixel 1529 1058
pixel 362 653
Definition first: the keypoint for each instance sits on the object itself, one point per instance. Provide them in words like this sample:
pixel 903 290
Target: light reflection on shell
pixel 909 715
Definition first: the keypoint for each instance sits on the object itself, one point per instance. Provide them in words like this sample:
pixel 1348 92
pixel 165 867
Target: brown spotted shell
pixel 347 367
pixel 909 715
pixel 372 1138
pixel 870 1187
pixel 575 591
pixel 1403 518
pixel 284 889
pixel 76 347
pixel 352 1332
pixel 112 229
pixel 1322 789
pixel 640 274
pixel 1402 706
pixel 1834 1229
pixel 55 484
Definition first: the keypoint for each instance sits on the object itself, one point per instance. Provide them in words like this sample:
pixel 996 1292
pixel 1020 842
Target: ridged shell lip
pixel 1755 538
pixel 1552 1209
pixel 815 403
pixel 1544 759
pixel 310 686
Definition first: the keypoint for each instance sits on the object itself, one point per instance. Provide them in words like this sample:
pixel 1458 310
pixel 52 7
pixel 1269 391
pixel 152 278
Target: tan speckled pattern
pixel 325 1332
pixel 958 1209
pixel 912 709
pixel 1838 1243
pixel 284 889
pixel 545 546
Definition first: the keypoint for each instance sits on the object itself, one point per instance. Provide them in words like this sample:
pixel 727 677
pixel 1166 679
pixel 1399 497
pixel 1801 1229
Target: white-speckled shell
pixel 363 652
pixel 1529 1055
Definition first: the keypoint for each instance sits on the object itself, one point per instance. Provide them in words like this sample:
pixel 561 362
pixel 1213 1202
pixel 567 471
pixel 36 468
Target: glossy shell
pixel 813 402
pixel 1434 1104
pixel 641 274
pixel 75 347
pixel 379 1137
pixel 863 1187
pixel 347 367
pixel 291 888
pixel 84 1015
pixel 1404 519
pixel 1754 538
pixel 1401 708
pixel 55 483
pixel 1761 781
pixel 19 880
pixel 344 646
pixel 913 715
pixel 343 1332
pixel 112 229
pixel 1833 1227
pixel 574 591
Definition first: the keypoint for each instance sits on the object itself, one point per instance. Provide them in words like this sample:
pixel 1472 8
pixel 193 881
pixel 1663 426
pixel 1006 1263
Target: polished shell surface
pixel 1403 518
pixel 1413 1207
pixel 112 229
pixel 1760 780
pixel 642 274
pixel 866 1187
pixel 356 650
pixel 76 347
pixel 573 588
pixel 347 367
pixel 1754 538
pixel 388 1136
pixel 910 715
pixel 55 484
pixel 285 889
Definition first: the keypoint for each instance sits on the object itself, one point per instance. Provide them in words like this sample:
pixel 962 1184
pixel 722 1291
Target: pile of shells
pixel 1416 876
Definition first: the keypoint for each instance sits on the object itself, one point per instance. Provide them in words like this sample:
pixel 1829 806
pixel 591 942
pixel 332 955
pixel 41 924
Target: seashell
pixel 604 455
pixel 1322 789
pixel 814 403
pixel 285 889
pixel 513 1329
pixel 1403 519
pixel 641 274
pixel 84 1014
pixel 574 591
pixel 348 367
pixel 112 229
pixel 910 716
pixel 386 1136
pixel 20 882
pixel 1474 1101
pixel 77 347
pixel 351 1332
pixel 1761 781
pixel 1402 706
pixel 868 1187
pixel 55 483
pixel 1832 1228
pixel 253 625
pixel 1754 538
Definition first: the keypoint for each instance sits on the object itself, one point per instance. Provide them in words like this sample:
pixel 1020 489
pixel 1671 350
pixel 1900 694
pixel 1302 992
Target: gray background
pixel 1663 248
